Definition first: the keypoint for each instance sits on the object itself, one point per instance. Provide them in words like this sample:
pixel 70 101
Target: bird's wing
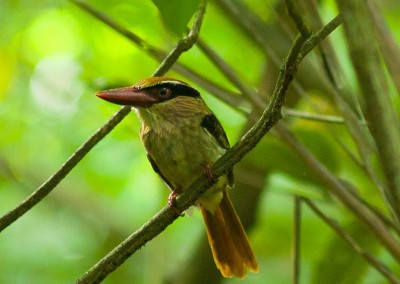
pixel 157 170
pixel 212 125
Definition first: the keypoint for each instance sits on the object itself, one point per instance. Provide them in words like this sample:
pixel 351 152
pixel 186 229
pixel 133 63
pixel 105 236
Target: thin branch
pixel 314 116
pixel 321 34
pixel 380 267
pixel 297 18
pixel 387 43
pixel 296 239
pixel 63 171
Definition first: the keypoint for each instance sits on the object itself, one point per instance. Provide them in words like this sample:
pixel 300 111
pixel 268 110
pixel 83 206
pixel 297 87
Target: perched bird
pixel 183 139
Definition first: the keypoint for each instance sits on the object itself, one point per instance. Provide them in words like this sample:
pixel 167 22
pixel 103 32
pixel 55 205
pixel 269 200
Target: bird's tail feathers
pixel 228 240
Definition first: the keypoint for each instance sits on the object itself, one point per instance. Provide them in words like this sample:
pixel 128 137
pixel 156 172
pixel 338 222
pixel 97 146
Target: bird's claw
pixel 171 203
pixel 209 174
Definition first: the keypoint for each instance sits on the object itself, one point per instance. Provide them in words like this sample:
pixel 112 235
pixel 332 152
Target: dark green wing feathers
pixel 212 125
pixel 157 170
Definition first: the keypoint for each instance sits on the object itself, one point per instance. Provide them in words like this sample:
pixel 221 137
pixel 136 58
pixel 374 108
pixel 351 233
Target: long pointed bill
pixel 127 96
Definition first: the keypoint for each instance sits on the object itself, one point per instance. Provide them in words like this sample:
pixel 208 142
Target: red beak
pixel 127 96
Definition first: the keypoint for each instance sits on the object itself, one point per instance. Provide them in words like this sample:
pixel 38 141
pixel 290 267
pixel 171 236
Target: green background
pixel 54 57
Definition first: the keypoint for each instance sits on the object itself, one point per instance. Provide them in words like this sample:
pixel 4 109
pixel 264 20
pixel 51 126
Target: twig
pixel 314 116
pixel 387 43
pixel 380 267
pixel 322 33
pixel 295 14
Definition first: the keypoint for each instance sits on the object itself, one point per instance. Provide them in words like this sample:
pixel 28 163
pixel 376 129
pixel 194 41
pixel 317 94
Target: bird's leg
pixel 209 174
pixel 171 202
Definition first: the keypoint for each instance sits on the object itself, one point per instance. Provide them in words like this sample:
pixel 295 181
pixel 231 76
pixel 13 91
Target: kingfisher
pixel 183 139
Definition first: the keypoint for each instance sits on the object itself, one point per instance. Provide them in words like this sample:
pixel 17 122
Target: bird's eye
pixel 164 93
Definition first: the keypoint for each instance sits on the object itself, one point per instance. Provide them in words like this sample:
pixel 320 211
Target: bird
pixel 183 139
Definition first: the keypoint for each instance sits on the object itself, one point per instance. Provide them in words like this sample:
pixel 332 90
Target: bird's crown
pixel 157 81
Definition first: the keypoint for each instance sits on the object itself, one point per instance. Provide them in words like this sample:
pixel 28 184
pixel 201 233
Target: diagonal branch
pixel 63 171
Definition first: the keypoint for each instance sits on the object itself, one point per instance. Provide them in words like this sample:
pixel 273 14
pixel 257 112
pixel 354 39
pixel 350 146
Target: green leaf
pixel 176 14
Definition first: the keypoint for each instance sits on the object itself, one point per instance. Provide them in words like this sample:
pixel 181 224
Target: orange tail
pixel 228 241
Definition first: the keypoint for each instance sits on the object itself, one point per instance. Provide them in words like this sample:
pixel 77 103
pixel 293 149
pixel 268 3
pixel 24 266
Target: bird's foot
pixel 171 203
pixel 209 174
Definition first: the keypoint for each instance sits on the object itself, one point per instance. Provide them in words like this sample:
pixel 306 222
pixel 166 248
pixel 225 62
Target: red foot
pixel 171 203
pixel 209 174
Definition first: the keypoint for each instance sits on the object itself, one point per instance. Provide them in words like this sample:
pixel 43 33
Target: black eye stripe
pixel 182 90
pixel 176 89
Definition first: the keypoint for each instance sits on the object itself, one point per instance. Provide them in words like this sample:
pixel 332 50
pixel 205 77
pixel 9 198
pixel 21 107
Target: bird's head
pixel 148 92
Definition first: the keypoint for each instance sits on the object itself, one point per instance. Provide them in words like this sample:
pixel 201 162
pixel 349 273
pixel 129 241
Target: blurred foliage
pixel 54 56
pixel 176 13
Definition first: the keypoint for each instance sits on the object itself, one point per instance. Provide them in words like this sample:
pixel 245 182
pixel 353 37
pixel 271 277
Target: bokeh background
pixel 54 56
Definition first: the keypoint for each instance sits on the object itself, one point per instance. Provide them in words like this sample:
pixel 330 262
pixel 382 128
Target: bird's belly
pixel 182 158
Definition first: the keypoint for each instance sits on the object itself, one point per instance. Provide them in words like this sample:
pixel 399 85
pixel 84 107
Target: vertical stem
pixel 296 239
